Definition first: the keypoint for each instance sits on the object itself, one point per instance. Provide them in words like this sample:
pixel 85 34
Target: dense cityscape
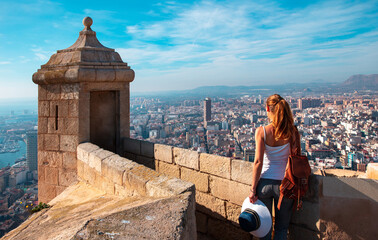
pixel 18 175
pixel 338 131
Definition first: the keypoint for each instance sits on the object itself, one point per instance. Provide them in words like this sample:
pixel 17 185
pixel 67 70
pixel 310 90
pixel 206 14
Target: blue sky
pixel 185 44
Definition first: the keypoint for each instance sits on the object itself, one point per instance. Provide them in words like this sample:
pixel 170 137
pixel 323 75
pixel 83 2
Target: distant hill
pixel 362 82
pixel 355 82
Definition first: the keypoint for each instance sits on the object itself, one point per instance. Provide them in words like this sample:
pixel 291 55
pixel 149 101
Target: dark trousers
pixel 267 191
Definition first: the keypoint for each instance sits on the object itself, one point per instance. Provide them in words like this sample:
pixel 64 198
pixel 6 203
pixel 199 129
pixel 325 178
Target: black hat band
pixel 255 215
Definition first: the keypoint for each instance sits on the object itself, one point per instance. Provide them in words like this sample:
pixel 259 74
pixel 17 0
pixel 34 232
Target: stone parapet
pixel 107 170
pixel 372 171
pixel 223 183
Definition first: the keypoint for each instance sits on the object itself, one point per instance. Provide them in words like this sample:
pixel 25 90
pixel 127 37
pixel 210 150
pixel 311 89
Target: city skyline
pixel 177 46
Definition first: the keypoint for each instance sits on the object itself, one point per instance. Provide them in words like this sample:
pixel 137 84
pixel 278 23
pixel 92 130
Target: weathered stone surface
pixel 71 126
pixel 50 159
pixel 67 177
pixel 147 222
pixel 103 75
pixel 83 151
pixel 210 205
pixel 177 186
pixel 215 165
pixel 201 220
pixel 163 153
pixel 43 108
pixel 372 171
pixel 188 216
pixel 80 170
pixel 60 189
pixel 72 211
pixel 168 169
pixel 123 191
pixel 114 166
pixel 53 91
pixel 47 192
pixel 42 124
pixel 228 190
pixel 298 232
pixel 106 185
pixel 52 125
pixel 163 186
pixel 51 142
pixel 96 157
pixel 69 143
pixel 73 108
pixel 62 108
pixel 186 158
pixel 336 212
pixel 41 173
pixel 138 176
pixel 41 141
pixel 222 230
pixel 314 191
pixel 131 145
pixel 201 180
pixel 42 93
pixel 153 187
pixel 350 188
pixel 147 149
pixel 69 160
pixel 241 171
pixel 51 175
pixel 308 216
pixel 233 211
pixel 70 91
pixel 89 175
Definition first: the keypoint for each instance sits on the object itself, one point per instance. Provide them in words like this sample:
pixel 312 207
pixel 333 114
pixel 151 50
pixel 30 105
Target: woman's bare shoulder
pixel 260 132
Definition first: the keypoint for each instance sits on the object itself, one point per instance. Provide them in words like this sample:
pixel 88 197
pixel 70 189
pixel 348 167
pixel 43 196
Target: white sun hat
pixel 255 218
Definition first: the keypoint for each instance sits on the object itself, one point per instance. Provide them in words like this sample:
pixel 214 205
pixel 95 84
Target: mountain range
pixel 353 83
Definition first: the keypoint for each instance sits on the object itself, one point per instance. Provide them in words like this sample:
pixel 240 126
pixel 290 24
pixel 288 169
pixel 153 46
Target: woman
pixel 272 152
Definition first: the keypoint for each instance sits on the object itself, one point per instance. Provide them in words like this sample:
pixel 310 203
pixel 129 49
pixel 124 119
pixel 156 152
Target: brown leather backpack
pixel 295 182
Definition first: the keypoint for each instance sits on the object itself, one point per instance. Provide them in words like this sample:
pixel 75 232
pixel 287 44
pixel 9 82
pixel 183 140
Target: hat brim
pixel 264 215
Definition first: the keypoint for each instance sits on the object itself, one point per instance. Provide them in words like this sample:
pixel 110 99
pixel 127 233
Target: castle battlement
pixel 103 184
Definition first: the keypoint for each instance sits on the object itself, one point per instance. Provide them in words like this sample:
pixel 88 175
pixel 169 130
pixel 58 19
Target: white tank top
pixel 275 160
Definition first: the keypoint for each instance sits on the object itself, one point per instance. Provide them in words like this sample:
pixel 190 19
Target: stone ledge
pixel 372 171
pixel 82 211
pixel 121 172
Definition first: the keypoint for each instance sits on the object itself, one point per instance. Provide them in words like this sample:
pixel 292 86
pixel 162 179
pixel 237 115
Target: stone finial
pixel 87 22
pixel 87 60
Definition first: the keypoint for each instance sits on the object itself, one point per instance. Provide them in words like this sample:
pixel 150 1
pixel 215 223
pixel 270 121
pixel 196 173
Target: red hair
pixel 282 117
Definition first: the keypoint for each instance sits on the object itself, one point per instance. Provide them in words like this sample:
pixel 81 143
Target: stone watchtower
pixel 83 95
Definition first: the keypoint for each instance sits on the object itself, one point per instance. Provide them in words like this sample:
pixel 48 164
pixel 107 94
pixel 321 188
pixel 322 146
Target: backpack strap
pixel 295 144
pixel 280 201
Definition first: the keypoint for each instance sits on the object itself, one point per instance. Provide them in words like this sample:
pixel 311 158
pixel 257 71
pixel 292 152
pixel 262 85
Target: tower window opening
pixel 56 117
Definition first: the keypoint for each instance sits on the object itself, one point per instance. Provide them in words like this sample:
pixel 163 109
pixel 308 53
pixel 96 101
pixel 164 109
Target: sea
pixel 15 107
pixel 8 159
pixel 20 106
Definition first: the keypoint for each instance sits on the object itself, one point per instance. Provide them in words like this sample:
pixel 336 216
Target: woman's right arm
pixel 258 163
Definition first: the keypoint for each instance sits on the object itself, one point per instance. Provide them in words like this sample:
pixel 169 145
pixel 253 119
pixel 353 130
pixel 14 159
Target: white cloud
pixel 41 54
pixel 4 62
pixel 214 43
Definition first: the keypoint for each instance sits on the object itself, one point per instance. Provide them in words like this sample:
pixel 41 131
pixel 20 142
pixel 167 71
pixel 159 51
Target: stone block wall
pixel 223 183
pixel 58 130
pixel 119 176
